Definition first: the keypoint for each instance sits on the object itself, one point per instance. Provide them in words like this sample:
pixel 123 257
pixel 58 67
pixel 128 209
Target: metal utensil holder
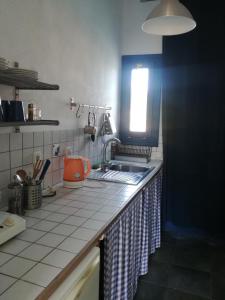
pixel 32 196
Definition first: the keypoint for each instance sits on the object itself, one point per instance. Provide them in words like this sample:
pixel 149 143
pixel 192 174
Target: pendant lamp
pixel 170 17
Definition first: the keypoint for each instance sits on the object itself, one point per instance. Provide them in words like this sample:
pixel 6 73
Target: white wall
pixel 134 40
pixel 73 43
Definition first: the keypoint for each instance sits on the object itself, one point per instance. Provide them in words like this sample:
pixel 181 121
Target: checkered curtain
pixel 129 241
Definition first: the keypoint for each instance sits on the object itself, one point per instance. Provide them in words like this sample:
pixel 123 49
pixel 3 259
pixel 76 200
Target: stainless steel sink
pixel 122 173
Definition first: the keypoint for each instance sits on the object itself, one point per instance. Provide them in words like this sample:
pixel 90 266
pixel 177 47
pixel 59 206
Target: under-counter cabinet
pixel 129 241
pixel 83 282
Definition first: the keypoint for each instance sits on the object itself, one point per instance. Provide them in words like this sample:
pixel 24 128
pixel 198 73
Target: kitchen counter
pixel 59 236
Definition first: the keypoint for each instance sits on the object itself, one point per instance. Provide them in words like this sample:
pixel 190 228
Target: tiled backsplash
pixel 17 151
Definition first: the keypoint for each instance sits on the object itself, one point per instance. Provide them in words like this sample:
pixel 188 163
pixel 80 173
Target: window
pixel 140 100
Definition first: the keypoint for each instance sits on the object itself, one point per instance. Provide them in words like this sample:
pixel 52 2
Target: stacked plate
pixel 3 63
pixel 23 73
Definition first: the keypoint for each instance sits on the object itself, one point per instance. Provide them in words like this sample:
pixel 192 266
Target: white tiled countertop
pixel 58 232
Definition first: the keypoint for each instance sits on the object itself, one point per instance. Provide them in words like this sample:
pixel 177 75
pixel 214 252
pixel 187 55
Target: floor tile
pixel 158 274
pixel 41 274
pixel 16 267
pixel 4 257
pixel 5 282
pixel 58 258
pixel 14 246
pixel 27 291
pixel 39 213
pixel 190 281
pixel 52 207
pixel 30 235
pixel 35 252
pixel 72 245
pixel 218 287
pixel 31 221
pixel 51 239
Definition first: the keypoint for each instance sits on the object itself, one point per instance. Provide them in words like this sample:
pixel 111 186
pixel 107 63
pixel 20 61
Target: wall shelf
pixel 30 123
pixel 24 83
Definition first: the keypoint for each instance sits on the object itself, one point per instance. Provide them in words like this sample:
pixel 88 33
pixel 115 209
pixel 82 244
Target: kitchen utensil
pixel 94 130
pixel 32 196
pixel 23 175
pixel 45 169
pixel 15 111
pixel 76 169
pixel 90 129
pixel 15 198
pixel 37 168
pixel 11 225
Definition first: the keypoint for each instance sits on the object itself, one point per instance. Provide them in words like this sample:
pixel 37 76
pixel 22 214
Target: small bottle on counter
pixel 31 112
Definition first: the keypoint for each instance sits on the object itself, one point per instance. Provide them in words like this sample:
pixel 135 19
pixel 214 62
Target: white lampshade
pixel 170 17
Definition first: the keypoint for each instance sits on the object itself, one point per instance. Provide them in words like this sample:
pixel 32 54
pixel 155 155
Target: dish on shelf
pixel 3 63
pixel 24 73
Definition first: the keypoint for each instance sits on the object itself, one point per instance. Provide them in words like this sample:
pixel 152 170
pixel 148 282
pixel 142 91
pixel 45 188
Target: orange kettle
pixel 76 169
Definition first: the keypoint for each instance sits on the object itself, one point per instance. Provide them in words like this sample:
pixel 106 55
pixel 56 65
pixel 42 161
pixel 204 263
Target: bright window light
pixel 138 100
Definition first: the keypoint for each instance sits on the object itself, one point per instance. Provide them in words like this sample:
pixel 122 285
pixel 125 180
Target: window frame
pixel 151 136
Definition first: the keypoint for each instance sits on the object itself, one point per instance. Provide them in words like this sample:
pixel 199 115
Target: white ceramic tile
pixel 93 206
pixel 5 282
pixel 4 178
pixel 41 274
pixel 14 246
pixel 84 213
pixel 31 221
pixel 4 145
pixel 58 258
pixel 38 213
pixel 38 139
pixel 108 209
pixel 102 216
pixel 16 267
pixel 30 235
pixel 4 161
pixel 62 201
pixel 55 136
pixel 4 257
pixel 67 210
pixel 84 234
pixel 45 225
pixel 35 252
pixel 51 239
pixel 64 229
pixel 28 140
pixel 15 141
pixel 47 152
pixel 56 177
pixel 72 245
pixel 47 137
pixel 27 156
pixel 55 217
pixel 23 290
pixel 52 207
pixel 93 224
pixel 16 158
pixel 77 204
pixel 74 220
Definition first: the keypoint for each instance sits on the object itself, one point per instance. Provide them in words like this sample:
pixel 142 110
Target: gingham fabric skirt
pixel 129 241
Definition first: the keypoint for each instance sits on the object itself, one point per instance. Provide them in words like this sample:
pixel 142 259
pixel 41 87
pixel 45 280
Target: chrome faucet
pixel 114 139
